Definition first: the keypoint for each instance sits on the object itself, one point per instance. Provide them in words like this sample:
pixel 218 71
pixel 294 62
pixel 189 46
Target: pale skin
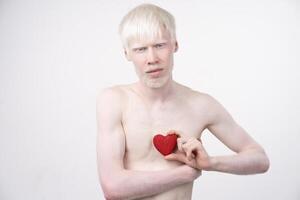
pixel 128 116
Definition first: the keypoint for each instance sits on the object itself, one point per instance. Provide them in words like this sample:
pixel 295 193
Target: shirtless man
pixel 128 116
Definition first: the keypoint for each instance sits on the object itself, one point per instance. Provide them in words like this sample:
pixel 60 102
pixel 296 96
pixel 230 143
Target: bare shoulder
pixel 113 93
pixel 206 105
pixel 199 99
pixel 111 99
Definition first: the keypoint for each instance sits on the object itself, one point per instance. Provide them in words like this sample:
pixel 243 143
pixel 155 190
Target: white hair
pixel 146 22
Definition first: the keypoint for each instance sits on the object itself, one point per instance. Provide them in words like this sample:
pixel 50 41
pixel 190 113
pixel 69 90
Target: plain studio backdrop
pixel 56 55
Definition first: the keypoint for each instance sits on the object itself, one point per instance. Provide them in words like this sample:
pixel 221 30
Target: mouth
pixel 155 73
pixel 154 70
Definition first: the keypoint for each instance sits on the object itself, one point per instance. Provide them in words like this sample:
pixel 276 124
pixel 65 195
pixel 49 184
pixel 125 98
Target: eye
pixel 140 49
pixel 160 45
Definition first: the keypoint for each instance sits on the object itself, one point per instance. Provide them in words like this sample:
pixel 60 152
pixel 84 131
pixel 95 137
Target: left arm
pixel 250 157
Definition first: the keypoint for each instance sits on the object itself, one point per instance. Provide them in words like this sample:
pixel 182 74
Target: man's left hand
pixel 191 152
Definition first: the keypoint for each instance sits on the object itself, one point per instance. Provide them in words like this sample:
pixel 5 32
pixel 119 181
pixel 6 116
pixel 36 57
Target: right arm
pixel 116 181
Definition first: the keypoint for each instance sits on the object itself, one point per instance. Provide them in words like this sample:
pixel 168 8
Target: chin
pixel 156 83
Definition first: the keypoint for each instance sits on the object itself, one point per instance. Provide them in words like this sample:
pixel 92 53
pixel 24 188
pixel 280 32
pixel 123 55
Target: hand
pixel 191 152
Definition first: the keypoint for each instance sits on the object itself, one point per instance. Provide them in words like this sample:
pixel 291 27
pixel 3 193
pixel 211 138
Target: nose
pixel 152 58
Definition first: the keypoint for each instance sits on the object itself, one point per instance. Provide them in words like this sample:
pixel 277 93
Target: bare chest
pixel 140 124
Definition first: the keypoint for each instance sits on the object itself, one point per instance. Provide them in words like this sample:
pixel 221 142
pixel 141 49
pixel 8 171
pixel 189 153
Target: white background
pixel 56 55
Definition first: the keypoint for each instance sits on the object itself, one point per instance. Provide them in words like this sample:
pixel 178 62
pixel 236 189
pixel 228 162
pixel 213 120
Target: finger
pixel 175 157
pixel 197 145
pixel 190 154
pixel 187 150
pixel 171 156
pixel 190 149
pixel 180 142
pixel 172 132
pixel 193 154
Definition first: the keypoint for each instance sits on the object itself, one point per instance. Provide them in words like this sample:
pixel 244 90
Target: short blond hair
pixel 146 22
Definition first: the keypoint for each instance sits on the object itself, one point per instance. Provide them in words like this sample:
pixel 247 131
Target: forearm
pixel 248 162
pixel 129 184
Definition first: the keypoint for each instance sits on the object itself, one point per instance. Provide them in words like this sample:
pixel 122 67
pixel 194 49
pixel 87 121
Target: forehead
pixel 161 36
pixel 140 43
pixel 149 41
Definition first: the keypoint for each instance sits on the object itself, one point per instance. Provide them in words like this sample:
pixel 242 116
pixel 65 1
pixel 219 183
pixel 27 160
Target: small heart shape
pixel 165 144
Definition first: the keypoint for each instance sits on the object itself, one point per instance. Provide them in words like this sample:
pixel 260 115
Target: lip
pixel 154 70
pixel 155 73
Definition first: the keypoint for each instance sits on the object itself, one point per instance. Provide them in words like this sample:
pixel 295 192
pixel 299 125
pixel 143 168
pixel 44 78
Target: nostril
pixel 152 62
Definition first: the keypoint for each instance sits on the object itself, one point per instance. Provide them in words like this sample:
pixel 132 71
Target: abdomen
pixel 182 192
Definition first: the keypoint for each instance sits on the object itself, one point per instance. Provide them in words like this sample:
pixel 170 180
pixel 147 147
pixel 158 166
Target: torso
pixel 185 114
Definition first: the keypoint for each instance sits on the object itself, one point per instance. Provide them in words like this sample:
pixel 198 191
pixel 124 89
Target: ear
pixel 127 54
pixel 176 46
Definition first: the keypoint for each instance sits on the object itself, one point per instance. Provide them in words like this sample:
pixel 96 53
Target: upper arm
pixel 223 126
pixel 110 134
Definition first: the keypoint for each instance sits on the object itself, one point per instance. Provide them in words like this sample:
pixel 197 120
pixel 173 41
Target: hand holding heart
pixel 191 152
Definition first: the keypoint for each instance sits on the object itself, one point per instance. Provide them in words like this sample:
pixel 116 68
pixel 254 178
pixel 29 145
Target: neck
pixel 156 95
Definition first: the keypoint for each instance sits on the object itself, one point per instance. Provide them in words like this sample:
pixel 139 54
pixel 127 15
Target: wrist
pixel 213 162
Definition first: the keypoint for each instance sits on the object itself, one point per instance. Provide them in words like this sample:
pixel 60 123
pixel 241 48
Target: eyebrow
pixel 136 48
pixel 160 43
pixel 140 47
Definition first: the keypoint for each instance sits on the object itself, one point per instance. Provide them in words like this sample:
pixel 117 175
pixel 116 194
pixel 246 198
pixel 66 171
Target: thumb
pixel 171 156
pixel 175 157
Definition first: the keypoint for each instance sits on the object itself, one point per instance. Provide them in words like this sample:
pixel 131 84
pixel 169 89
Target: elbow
pixel 111 190
pixel 264 164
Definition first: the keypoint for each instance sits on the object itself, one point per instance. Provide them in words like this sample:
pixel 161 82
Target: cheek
pixel 168 57
pixel 139 67
pixel 167 53
pixel 138 60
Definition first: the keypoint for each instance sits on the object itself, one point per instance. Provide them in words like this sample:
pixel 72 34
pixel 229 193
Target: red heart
pixel 165 144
